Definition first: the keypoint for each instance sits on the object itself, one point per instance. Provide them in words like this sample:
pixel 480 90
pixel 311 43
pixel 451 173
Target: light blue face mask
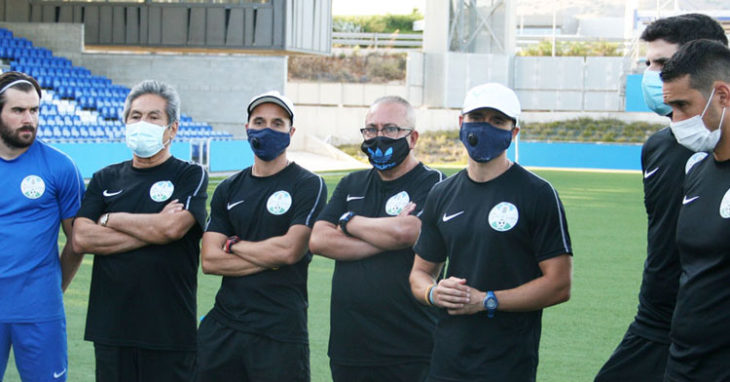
pixel 651 86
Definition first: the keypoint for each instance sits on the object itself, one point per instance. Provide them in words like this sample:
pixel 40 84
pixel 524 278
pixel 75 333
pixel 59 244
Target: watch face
pixel 491 303
pixel 344 215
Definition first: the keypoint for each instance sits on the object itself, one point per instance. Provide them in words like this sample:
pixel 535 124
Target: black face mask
pixel 385 153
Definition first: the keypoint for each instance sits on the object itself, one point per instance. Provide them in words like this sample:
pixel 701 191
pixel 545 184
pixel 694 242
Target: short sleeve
pixel 550 236
pixel 430 244
pixel 310 197
pixel 93 205
pixel 194 192
pixel 219 221
pixel 70 191
pixel 337 204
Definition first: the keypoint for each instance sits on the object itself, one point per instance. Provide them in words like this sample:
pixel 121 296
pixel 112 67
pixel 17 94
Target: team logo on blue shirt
pixel 693 160
pixel 162 190
pixel 396 203
pixel 32 186
pixel 725 205
pixel 503 217
pixel 279 202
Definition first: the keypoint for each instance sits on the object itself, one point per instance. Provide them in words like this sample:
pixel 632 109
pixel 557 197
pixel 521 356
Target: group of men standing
pixel 438 279
pixel 396 315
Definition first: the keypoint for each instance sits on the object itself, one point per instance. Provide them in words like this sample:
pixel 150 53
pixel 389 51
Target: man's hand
pixel 410 207
pixel 475 302
pixel 172 207
pixel 451 293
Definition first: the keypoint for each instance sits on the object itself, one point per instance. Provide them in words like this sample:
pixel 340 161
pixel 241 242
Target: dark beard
pixel 13 140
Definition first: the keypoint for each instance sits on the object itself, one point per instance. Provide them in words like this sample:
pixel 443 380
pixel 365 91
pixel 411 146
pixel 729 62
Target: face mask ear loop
pixel 722 118
pixel 709 101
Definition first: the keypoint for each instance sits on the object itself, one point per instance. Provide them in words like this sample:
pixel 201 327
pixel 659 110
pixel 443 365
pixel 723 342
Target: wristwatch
pixel 490 304
pixel 344 219
pixel 104 219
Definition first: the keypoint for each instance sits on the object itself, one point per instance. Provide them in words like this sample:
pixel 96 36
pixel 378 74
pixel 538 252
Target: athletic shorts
pixel 402 372
pixel 714 366
pixel 124 363
pixel 635 359
pixel 226 354
pixel 40 349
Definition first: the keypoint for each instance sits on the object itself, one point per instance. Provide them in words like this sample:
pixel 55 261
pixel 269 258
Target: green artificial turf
pixel 607 224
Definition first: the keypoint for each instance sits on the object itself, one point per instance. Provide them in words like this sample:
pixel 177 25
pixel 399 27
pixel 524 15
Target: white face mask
pixel 144 138
pixel 694 135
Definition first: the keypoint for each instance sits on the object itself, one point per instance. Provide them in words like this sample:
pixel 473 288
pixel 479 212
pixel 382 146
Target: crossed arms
pixel 370 236
pixel 249 257
pixel 127 231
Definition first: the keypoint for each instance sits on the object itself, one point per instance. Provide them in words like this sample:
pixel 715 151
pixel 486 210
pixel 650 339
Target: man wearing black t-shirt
pixel 697 87
pixel 503 231
pixel 642 353
pixel 378 332
pixel 260 222
pixel 143 220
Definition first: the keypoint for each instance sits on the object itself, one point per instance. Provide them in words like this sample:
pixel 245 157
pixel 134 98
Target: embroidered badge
pixel 396 203
pixel 279 202
pixel 162 190
pixel 503 217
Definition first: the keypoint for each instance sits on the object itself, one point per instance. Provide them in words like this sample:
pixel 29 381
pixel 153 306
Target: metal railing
pixel 378 40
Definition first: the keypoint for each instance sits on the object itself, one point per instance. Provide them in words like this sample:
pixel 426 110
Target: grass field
pixel 607 223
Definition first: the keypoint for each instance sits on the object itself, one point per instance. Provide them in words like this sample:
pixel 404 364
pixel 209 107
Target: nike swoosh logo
pixel 449 217
pixel 650 173
pixel 231 205
pixel 690 200
pixel 58 375
pixel 107 193
pixel 351 198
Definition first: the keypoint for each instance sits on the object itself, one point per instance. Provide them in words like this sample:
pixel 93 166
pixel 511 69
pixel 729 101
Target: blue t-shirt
pixel 40 188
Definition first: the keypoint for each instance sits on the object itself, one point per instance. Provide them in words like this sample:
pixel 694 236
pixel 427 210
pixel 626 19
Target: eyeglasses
pixel 390 131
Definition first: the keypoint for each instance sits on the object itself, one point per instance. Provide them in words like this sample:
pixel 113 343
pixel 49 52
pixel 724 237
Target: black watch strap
pixel 346 217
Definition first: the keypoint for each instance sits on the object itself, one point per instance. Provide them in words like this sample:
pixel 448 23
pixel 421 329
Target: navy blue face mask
pixel 267 144
pixel 484 141
pixel 385 153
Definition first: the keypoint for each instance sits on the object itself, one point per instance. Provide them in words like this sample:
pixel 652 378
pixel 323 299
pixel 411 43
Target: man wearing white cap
pixel 504 233
pixel 260 222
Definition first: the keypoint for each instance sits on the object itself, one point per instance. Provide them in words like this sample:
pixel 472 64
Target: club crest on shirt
pixel 279 202
pixel 725 205
pixel 693 160
pixel 396 203
pixel 33 186
pixel 503 217
pixel 162 190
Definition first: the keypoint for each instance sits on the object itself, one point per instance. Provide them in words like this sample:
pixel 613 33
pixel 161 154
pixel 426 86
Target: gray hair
pixel 167 92
pixel 410 111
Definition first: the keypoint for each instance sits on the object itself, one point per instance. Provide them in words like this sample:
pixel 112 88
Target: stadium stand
pixel 78 106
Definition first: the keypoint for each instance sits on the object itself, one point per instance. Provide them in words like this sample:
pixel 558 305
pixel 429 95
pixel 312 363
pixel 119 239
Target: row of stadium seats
pixel 97 133
pixel 78 106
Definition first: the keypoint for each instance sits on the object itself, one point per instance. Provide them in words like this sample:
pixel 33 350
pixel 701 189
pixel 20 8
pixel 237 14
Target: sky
pixel 376 7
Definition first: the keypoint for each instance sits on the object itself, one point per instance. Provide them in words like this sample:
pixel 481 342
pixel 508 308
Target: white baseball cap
pixel 494 96
pixel 272 97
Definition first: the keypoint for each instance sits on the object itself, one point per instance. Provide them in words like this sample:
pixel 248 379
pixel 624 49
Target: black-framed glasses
pixel 390 131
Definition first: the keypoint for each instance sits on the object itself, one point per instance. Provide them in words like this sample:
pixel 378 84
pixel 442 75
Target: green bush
pixel 573 49
pixel 589 130
pixel 377 23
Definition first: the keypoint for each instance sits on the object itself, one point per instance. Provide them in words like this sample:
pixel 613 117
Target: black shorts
pixel 635 359
pixel 226 354
pixel 708 367
pixel 123 364
pixel 402 372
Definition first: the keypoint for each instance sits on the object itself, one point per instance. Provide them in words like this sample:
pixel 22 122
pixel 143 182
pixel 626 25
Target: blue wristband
pixel 430 296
